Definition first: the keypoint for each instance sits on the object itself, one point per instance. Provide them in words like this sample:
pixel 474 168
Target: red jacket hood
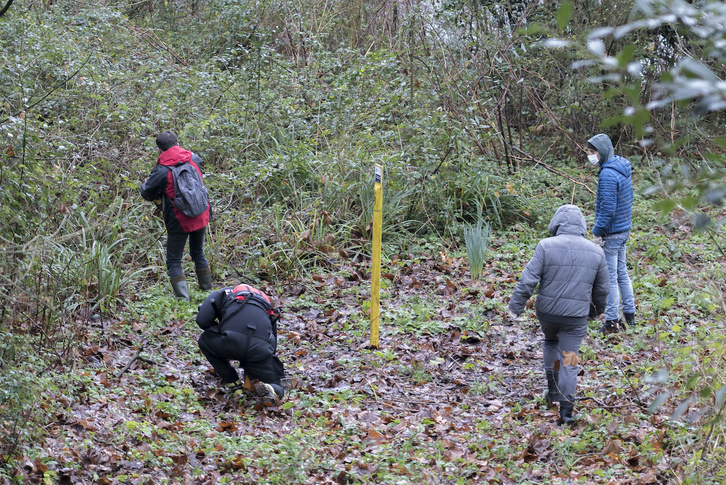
pixel 174 155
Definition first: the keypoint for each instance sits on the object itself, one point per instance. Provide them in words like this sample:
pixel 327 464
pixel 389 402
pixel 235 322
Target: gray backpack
pixel 190 194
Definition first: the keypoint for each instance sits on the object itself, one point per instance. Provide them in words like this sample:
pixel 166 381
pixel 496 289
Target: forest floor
pixel 453 393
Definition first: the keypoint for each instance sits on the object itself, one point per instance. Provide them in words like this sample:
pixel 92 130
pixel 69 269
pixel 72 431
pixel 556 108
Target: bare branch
pixel 6 7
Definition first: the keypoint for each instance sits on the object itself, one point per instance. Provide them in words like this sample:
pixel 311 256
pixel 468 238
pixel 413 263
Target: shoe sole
pixel 267 393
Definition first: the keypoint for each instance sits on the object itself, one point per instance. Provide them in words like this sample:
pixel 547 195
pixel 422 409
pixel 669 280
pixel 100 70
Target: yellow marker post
pixel 376 261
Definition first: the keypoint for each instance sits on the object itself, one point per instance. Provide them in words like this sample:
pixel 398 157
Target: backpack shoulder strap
pixel 228 311
pixel 241 299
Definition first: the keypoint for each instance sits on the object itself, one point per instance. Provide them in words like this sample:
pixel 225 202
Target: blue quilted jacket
pixel 613 210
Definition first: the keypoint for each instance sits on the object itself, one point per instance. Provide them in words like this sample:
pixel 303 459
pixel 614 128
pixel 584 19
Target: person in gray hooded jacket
pixel 572 275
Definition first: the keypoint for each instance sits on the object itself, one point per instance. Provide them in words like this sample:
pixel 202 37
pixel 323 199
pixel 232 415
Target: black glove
pixel 594 312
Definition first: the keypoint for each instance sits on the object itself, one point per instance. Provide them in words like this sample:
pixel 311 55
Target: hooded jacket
pixel 571 271
pixel 613 209
pixel 160 185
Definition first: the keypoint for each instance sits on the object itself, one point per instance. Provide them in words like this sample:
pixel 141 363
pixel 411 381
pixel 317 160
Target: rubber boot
pixel 629 319
pixel 204 277
pixel 553 390
pixel 566 418
pixel 181 290
pixel 611 326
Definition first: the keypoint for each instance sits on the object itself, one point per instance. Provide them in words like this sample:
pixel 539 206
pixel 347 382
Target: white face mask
pixel 593 158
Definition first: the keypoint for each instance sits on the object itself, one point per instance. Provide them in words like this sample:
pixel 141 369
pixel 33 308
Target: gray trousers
pixel 560 350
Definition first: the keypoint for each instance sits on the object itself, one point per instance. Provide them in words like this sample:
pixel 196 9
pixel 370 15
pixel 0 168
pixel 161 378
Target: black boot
pixel 566 417
pixel 204 276
pixel 611 326
pixel 629 319
pixel 181 290
pixel 553 390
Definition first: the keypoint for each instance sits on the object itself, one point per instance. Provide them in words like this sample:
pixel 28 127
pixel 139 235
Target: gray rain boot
pixel 204 276
pixel 181 290
pixel 553 390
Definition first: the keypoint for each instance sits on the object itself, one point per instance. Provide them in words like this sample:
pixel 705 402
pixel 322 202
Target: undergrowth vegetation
pixel 480 130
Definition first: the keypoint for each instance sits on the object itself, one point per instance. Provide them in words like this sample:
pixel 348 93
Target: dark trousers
pixel 175 243
pixel 562 343
pixel 257 359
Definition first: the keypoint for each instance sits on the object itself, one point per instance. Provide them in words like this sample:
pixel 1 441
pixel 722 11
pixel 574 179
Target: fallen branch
pixel 715 420
pixel 6 7
pixel 390 404
pixel 136 357
pixel 133 359
pixel 153 40
pixel 601 404
pixel 27 109
pixel 553 170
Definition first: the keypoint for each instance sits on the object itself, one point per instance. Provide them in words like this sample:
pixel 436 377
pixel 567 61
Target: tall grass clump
pixel 477 241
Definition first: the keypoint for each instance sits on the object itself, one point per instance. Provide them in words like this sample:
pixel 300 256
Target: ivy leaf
pixel 665 206
pixel 564 14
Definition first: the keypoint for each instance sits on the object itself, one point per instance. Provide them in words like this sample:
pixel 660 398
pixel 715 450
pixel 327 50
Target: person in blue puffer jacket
pixel 613 222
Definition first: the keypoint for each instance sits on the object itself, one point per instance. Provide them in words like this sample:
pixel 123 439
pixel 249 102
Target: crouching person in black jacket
pixel 572 275
pixel 240 324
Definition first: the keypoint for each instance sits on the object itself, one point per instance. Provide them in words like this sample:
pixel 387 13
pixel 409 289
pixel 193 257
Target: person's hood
pixel 174 155
pixel 620 164
pixel 568 220
pixel 604 147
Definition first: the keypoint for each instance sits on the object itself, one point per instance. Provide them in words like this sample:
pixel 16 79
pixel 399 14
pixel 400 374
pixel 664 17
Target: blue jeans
pixel 175 242
pixel 620 286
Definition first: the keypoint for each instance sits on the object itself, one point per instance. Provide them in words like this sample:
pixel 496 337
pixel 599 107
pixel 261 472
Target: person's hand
pixel 157 208
pixel 594 312
pixel 513 317
pixel 598 240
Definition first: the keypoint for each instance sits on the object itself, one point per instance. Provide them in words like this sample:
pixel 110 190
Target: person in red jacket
pixel 179 228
